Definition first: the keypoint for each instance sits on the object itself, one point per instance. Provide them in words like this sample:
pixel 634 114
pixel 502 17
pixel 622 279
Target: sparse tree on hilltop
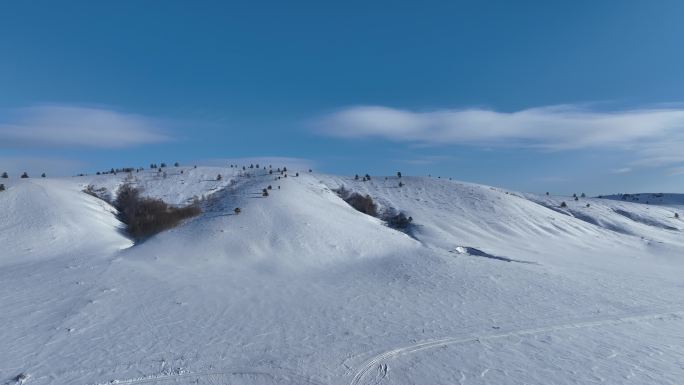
pixel 398 174
pixel 219 177
pixel 24 175
pixel 43 175
pixel 176 164
pixel 563 204
pixel 4 175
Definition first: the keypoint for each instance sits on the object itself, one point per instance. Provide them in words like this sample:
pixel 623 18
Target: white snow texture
pixel 486 286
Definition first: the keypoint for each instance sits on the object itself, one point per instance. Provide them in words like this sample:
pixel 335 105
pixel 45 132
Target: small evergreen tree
pixel 547 193
pixel 401 184
pixel 176 164
pixel 269 187
pixel 356 177
pixel 576 199
pixel 583 195
pixel 4 175
pixel 563 204
pixel 43 175
pixel 676 215
pixel 2 187
pixel 219 177
pixel 398 174
pixel 265 193
pixel 588 205
pixel 163 164
pixel 368 177
pixel 237 211
pixel 24 175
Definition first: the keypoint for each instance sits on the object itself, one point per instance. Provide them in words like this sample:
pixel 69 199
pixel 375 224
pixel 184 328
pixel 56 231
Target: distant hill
pixel 666 199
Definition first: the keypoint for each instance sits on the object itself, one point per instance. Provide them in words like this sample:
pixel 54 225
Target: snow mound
pixel 287 229
pixel 44 218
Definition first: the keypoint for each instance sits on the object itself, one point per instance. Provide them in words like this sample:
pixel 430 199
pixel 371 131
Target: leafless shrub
pixel 145 217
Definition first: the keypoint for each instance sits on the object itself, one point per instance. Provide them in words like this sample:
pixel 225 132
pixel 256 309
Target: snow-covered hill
pixel 486 286
pixel 665 199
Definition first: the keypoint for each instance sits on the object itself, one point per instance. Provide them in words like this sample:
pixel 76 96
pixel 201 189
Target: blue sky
pixel 530 95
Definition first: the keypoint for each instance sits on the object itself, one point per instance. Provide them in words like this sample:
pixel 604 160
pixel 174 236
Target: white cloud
pixel 656 134
pixel 75 126
pixel 623 170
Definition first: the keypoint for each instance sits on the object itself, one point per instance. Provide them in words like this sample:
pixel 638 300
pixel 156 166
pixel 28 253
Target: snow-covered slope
pixel 664 199
pixel 41 219
pixel 486 286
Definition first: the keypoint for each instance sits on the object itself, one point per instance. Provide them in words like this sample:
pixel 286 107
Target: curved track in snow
pixel 377 361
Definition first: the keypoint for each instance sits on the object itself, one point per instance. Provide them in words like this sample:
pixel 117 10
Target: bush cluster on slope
pixel 365 204
pixel 398 221
pixel 145 217
pixel 362 203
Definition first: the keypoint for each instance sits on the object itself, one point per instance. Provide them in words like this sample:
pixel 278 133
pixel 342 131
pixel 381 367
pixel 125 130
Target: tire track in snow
pixel 279 378
pixel 431 344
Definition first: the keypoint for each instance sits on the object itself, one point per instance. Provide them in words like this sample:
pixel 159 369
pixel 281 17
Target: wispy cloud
pixel 675 171
pixel 656 134
pixel 622 170
pixel 76 126
pixel 427 159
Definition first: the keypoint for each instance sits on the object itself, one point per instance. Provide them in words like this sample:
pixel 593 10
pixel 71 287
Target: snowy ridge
pixel 664 199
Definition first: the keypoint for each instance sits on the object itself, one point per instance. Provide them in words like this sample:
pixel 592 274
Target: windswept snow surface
pixel 486 286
